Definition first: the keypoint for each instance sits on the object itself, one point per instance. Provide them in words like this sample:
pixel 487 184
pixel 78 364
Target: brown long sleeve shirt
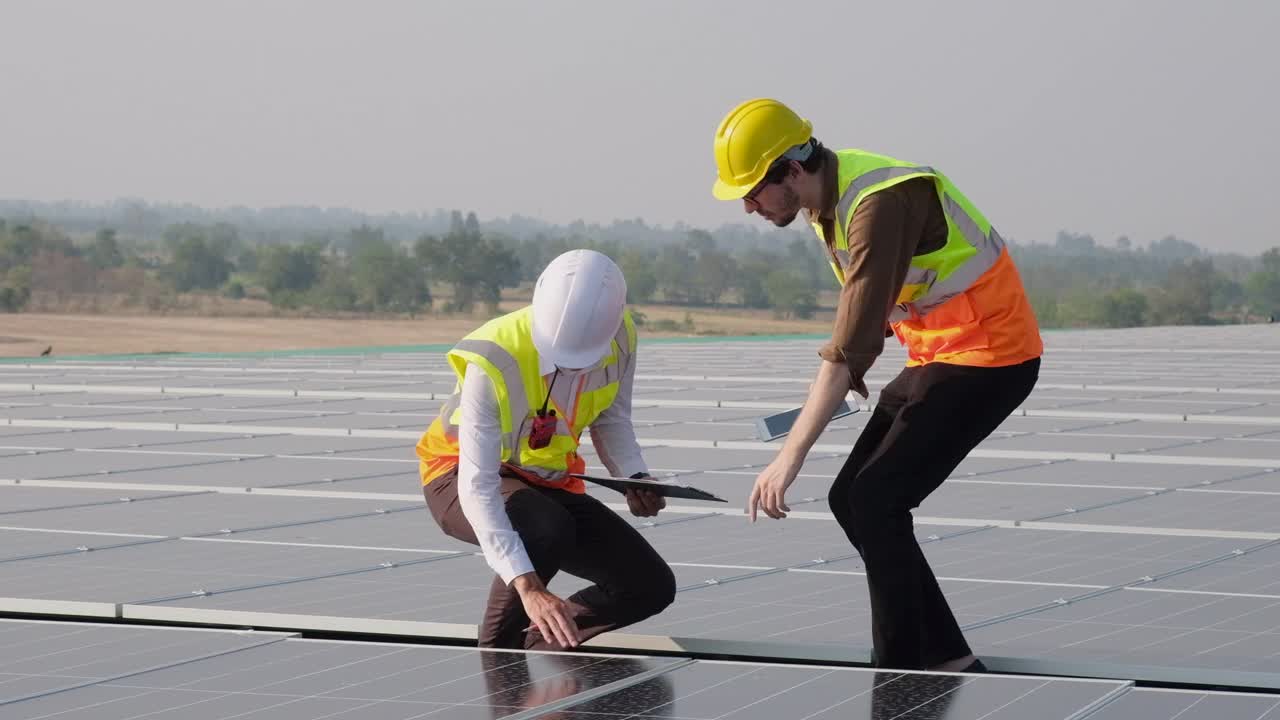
pixel 887 229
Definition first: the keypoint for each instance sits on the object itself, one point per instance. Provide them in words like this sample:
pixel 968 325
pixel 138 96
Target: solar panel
pixel 195 513
pixel 1219 508
pixel 728 691
pixel 1149 704
pixel 45 658
pixel 217 674
pixel 1118 525
pixel 283 443
pixel 1199 634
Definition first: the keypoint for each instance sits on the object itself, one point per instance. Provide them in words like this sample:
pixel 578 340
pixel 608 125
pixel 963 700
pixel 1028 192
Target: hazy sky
pixel 1135 117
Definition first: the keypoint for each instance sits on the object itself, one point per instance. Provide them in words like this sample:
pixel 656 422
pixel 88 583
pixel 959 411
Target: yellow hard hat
pixel 749 139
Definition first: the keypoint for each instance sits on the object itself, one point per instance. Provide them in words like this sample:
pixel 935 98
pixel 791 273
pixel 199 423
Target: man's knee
pixel 664 589
pixel 653 592
pixel 872 510
pixel 838 501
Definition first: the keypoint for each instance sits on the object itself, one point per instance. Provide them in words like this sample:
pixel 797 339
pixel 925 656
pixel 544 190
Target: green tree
pixel 714 273
pixel 1075 244
pixel 806 256
pixel 223 239
pixel 334 290
pixel 247 260
pixel 1174 248
pixel 700 241
pixel 477 266
pixel 1186 295
pixel 1123 308
pixel 1263 286
pixel 1079 307
pixel 753 270
pixel 642 277
pixel 1044 303
pixel 21 243
pixel 385 277
pixel 1226 295
pixel 15 289
pixel 287 272
pixel 364 234
pixel 1263 291
pixel 194 264
pixel 789 294
pixel 502 271
pixel 677 274
pixel 451 260
pixel 1271 260
pixel 105 251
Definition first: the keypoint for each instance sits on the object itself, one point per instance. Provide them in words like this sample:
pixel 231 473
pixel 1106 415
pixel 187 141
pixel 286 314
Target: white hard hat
pixel 577 308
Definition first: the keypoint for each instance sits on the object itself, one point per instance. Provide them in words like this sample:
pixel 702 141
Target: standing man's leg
pixel 949 410
pixel 546 530
pixel 890 400
pixel 632 582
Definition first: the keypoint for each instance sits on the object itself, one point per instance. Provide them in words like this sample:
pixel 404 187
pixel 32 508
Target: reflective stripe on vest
pixel 933 278
pixel 517 405
pixel 590 394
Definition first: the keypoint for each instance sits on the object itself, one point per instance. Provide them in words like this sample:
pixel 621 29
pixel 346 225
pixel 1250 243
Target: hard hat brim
pixel 573 360
pixel 725 191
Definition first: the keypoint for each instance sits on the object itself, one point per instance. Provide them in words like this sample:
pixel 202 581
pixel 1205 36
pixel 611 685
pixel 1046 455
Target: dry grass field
pixel 28 334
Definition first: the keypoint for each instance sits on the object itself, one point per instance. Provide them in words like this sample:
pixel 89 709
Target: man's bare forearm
pixel 829 388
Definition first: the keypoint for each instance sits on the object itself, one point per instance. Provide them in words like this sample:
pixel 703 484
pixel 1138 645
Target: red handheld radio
pixel 544 421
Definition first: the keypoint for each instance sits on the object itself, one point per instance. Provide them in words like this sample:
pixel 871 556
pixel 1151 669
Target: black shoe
pixel 975 667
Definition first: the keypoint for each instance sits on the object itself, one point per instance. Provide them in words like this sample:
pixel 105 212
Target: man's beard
pixel 790 208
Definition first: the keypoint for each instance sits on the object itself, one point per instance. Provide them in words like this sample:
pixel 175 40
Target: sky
pixel 1141 118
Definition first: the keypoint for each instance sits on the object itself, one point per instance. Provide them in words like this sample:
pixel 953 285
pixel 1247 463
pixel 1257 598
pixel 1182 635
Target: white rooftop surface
pixel 1124 523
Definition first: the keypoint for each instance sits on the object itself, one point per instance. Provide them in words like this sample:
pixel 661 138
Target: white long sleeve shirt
pixel 480 447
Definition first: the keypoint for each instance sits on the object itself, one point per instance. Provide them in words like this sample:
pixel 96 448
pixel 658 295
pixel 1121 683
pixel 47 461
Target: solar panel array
pixel 70 670
pixel 1124 523
pixel 220 674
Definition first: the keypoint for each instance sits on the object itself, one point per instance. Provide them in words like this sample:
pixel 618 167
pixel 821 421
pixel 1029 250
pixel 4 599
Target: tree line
pixel 1073 281
pixel 363 270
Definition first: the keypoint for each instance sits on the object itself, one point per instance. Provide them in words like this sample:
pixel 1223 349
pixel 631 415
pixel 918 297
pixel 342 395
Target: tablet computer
pixel 772 427
pixel 665 489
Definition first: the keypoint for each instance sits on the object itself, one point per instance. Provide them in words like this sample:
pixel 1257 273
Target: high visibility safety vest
pixel 963 303
pixel 503 349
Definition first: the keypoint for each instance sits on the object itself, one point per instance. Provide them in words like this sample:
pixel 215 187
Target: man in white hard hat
pixel 496 463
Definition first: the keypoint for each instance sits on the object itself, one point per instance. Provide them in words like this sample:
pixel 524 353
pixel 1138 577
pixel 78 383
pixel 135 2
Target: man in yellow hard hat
pixel 914 259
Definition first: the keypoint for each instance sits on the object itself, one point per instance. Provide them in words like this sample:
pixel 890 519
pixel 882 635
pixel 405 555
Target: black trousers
pixel 565 531
pixel 925 422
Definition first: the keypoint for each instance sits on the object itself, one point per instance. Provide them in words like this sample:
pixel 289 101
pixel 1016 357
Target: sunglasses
pixel 774 175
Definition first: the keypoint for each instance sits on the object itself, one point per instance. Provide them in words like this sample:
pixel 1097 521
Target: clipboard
pixel 664 489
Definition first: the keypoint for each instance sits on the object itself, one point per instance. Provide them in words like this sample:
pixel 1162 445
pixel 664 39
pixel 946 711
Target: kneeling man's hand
pixel 548 613
pixel 645 503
